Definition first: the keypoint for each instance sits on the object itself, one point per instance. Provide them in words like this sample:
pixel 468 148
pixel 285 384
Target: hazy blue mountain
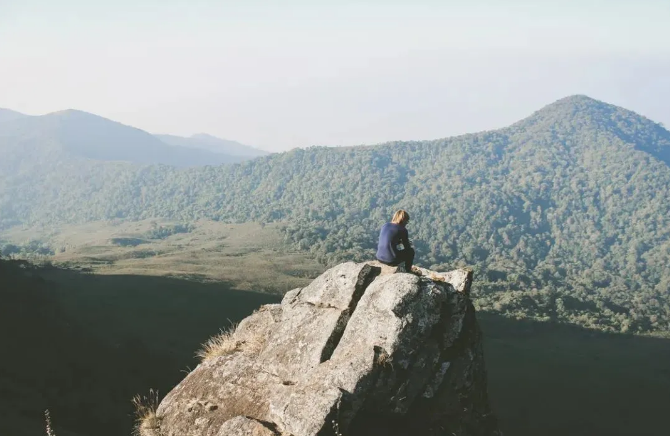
pixel 10 115
pixel 212 143
pixel 73 133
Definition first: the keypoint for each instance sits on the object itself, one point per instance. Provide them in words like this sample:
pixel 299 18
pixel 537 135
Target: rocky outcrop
pixel 362 350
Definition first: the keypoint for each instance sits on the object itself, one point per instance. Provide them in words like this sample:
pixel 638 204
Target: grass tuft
pixel 336 428
pixel 228 342
pixel 147 422
pixel 220 345
pixel 384 360
pixel 50 430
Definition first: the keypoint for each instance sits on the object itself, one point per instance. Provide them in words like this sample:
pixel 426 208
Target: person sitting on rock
pixel 390 237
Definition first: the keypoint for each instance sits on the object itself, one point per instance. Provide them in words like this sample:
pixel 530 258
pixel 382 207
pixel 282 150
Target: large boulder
pixel 362 350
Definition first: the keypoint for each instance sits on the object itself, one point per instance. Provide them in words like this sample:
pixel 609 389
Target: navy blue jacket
pixel 389 237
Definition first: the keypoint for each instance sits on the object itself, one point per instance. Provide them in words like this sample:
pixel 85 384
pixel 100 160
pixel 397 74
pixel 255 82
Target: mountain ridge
pixel 10 115
pixel 645 134
pixel 82 134
pixel 212 143
pixel 563 216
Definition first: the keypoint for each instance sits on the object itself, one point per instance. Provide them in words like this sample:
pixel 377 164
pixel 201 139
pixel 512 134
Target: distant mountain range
pixel 10 115
pixel 211 143
pixel 564 215
pixel 80 134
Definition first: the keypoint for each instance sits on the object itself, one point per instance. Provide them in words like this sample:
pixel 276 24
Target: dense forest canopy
pixel 564 215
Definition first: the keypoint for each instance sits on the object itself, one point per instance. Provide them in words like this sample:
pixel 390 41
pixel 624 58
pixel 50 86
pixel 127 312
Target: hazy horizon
pixel 300 74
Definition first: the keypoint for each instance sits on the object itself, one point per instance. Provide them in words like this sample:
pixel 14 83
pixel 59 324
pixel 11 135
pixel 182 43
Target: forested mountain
pixel 564 215
pixel 60 136
pixel 212 143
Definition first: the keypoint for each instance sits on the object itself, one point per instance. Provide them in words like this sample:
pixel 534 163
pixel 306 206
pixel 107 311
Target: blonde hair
pixel 400 217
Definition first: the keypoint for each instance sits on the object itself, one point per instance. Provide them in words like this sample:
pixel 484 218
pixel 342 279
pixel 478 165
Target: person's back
pixel 391 236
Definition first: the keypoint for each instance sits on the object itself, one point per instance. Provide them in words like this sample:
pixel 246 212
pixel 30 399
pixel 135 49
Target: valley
pixel 564 215
pixel 253 257
pixel 116 267
pixel 194 197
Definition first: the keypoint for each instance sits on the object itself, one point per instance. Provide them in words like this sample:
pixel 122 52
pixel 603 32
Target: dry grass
pixel 336 428
pixel 49 428
pixel 147 423
pixel 226 343
pixel 220 345
pixel 384 360
pixel 213 251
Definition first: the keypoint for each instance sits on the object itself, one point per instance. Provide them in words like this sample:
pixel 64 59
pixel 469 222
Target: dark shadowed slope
pixel 213 144
pixel 82 345
pixel 76 134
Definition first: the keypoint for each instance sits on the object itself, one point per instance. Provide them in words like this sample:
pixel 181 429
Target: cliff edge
pixel 363 350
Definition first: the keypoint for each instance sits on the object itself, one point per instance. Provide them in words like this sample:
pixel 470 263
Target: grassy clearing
pixel 251 256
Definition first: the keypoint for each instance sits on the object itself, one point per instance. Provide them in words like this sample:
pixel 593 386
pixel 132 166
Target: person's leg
pixel 408 257
pixel 396 263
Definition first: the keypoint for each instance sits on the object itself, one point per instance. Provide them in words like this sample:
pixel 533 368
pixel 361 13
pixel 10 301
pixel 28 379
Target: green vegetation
pixel 161 232
pixel 565 215
pixel 29 249
pixel 146 421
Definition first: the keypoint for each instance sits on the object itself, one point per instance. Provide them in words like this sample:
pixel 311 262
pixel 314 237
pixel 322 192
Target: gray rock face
pixel 362 350
pixel 242 426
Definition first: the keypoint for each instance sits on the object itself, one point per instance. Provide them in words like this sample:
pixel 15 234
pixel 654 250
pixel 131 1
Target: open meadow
pixel 252 256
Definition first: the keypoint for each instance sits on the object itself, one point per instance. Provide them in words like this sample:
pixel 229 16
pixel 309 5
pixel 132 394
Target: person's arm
pixel 405 239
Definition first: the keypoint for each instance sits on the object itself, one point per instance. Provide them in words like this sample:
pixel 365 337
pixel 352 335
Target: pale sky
pixel 285 74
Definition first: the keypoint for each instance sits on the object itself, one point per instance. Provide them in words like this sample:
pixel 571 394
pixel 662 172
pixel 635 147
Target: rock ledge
pixel 364 349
